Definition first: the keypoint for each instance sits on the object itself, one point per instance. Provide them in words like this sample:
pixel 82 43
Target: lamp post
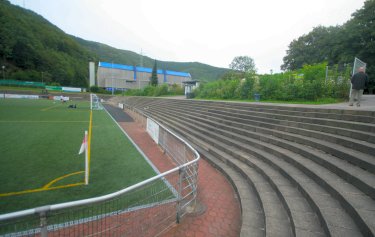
pixel 3 67
pixel 113 87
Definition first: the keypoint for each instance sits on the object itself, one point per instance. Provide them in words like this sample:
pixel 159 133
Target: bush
pixel 176 90
pixel 149 90
pixel 308 83
pixel 94 89
pixel 159 90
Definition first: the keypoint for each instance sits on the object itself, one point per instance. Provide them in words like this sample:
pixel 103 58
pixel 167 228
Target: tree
pixel 154 75
pixel 232 75
pixel 317 46
pixel 243 64
pixel 338 44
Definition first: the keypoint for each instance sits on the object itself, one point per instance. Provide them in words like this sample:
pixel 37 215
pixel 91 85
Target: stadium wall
pixel 131 77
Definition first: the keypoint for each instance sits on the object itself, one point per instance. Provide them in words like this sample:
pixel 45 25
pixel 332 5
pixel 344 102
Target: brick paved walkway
pixel 221 209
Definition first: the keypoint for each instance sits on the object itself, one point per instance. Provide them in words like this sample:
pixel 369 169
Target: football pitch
pixel 39 161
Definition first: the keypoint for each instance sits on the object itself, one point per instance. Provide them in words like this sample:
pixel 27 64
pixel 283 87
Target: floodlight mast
pixel 113 87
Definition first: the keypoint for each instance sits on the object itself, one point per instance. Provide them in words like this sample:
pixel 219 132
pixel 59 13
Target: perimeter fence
pixel 148 208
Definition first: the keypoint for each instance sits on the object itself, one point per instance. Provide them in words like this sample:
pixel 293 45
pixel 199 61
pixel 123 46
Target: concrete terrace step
pixel 253 219
pixel 362 160
pixel 284 124
pixel 364 149
pixel 276 218
pixel 276 224
pixel 366 117
pixel 289 154
pixel 288 108
pixel 320 199
pixel 361 126
pixel 350 204
pixel 345 170
pixel 269 123
pixel 302 216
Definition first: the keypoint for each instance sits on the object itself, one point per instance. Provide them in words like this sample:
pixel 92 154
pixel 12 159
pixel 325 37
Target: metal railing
pixel 147 208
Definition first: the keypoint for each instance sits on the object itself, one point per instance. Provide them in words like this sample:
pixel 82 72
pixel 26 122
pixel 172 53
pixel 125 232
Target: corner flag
pixel 83 148
pixel 83 145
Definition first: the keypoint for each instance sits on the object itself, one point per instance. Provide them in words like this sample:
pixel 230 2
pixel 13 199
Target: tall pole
pixel 113 87
pixel 86 160
pixel 3 67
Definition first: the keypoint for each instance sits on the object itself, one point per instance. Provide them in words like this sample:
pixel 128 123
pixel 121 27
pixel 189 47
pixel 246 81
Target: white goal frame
pixel 95 103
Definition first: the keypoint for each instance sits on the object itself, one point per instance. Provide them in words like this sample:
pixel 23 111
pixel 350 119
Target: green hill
pixel 30 45
pixel 198 71
pixel 31 48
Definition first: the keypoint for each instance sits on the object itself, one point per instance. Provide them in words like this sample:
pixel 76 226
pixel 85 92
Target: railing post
pixel 43 224
pixel 181 173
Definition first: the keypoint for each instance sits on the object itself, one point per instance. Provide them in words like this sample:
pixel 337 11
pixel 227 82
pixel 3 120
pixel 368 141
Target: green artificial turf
pixel 40 140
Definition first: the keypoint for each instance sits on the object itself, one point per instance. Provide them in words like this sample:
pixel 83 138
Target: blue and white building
pixel 132 77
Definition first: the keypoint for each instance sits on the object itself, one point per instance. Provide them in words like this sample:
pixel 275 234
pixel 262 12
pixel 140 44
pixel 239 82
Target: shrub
pixel 94 89
pixel 308 83
pixel 161 90
pixel 176 90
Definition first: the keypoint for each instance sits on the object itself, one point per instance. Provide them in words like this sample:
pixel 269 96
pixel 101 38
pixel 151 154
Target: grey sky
pixel 211 32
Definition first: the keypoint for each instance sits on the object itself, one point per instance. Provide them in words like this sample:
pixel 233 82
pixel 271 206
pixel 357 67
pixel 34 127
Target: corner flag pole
pixel 86 161
pixel 84 148
pixel 88 151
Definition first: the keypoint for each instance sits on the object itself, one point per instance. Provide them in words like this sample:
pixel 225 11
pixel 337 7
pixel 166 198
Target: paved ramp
pixel 118 114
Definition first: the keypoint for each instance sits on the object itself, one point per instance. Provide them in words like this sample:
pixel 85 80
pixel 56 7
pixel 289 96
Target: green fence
pixel 22 83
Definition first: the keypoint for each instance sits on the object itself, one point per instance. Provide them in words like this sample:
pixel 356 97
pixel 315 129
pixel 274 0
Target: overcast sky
pixel 211 32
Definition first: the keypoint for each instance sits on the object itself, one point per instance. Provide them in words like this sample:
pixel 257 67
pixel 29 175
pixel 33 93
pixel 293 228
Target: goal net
pixel 357 64
pixel 95 103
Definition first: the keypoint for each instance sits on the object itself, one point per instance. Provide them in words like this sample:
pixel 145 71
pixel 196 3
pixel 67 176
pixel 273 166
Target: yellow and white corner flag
pixel 83 145
pixel 83 148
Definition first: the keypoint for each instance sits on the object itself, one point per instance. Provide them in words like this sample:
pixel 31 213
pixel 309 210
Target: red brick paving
pixel 222 214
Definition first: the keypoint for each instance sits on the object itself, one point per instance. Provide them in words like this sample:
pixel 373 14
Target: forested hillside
pixel 33 49
pixel 199 71
pixel 337 44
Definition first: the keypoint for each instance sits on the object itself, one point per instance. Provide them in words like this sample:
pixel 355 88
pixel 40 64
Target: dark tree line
pixel 337 44
pixel 31 48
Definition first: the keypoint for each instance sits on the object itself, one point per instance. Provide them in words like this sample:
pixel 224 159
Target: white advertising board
pixel 65 98
pixel 71 89
pixel 153 130
pixel 15 96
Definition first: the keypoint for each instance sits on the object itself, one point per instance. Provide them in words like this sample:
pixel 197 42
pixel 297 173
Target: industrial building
pixel 121 77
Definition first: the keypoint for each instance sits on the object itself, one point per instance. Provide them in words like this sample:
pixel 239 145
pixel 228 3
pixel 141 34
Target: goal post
pixel 356 65
pixel 95 103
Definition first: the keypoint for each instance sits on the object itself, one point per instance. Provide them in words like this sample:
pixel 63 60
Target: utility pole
pixel 113 87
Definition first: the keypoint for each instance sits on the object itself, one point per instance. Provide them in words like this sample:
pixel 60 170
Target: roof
pixel 142 69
